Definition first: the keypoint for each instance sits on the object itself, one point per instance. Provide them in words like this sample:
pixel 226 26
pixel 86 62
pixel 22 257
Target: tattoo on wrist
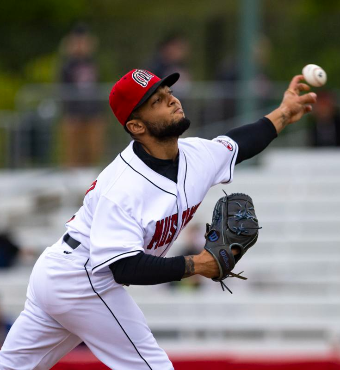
pixel 284 119
pixel 189 266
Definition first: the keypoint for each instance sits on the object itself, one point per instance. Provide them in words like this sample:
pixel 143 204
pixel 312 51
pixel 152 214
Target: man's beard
pixel 164 131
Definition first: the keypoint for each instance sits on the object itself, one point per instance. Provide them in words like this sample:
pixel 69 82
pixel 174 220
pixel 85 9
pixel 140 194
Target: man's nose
pixel 173 100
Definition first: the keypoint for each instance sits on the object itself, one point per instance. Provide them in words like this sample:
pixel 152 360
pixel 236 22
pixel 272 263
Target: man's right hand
pixel 294 106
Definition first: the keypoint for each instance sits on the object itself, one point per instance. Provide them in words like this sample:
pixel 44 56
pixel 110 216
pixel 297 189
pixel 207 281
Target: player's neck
pixel 161 150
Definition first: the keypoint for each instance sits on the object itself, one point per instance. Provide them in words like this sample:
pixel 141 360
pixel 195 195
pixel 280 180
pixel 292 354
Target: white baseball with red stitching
pixel 314 75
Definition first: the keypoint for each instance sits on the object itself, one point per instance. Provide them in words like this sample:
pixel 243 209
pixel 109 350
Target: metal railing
pixel 31 134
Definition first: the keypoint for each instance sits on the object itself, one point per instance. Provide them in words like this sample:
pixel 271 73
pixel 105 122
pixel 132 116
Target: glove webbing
pixel 231 274
pixel 244 215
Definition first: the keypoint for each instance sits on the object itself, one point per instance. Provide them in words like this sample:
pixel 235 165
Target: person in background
pixel 9 252
pixel 228 71
pixel 325 121
pixel 171 56
pixel 83 124
pixel 3 328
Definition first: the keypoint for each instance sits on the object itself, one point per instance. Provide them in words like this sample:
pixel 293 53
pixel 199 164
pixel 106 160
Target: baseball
pixel 314 75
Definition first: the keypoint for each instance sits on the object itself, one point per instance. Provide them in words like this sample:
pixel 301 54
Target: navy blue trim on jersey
pixel 156 187
pixel 120 154
pixel 175 233
pixel 231 164
pixel 120 325
pixel 112 258
pixel 164 167
pixel 185 179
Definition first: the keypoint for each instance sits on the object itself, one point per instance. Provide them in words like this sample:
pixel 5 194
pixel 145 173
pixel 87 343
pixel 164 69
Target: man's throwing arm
pixel 252 139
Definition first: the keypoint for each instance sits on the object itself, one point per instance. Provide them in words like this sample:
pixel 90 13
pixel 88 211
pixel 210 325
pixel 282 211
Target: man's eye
pixel 156 101
pixel 170 92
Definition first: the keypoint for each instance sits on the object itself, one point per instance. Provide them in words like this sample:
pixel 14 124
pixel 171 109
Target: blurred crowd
pixel 83 128
pixel 83 125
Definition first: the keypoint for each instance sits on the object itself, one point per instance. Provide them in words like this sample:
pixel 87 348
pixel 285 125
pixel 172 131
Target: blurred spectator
pixel 83 123
pixel 9 251
pixel 325 121
pixel 229 72
pixel 3 327
pixel 171 56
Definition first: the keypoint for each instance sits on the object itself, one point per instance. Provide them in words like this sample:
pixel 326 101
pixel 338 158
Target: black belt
pixel 70 241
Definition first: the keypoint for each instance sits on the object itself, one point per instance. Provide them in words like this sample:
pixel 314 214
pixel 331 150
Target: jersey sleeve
pixel 114 235
pixel 223 152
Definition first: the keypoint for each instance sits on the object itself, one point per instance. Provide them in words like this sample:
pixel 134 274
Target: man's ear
pixel 135 127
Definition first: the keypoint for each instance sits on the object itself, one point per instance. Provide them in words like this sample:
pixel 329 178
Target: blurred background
pixel 58 62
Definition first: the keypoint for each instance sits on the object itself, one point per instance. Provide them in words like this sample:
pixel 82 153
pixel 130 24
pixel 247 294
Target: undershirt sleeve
pixel 253 138
pixel 145 269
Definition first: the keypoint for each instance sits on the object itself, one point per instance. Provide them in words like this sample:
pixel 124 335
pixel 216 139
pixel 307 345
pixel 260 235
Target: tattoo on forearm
pixel 189 266
pixel 284 119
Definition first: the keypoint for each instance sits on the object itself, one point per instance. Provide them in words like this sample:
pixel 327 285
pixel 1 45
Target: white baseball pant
pixel 66 305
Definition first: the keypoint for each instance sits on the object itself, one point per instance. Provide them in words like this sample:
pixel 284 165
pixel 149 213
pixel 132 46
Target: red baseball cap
pixel 134 89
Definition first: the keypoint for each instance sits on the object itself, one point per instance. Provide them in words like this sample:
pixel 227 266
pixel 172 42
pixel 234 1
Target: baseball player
pixel 131 216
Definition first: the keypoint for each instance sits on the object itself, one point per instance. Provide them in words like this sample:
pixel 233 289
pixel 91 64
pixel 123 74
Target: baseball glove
pixel 234 225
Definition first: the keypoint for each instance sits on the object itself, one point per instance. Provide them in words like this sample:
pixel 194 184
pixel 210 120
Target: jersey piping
pixel 231 164
pixel 168 192
pixel 179 228
pixel 185 179
pixel 175 233
pixel 120 325
pixel 146 177
pixel 180 192
pixel 114 258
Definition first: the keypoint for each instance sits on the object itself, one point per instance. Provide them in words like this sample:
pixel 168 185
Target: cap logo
pixel 142 77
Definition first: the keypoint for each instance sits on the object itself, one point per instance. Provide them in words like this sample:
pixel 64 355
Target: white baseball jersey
pixel 72 296
pixel 130 208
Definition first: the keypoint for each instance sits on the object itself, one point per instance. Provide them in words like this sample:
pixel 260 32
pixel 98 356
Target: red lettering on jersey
pixel 184 216
pixel 93 185
pixel 165 232
pixel 167 227
pixel 191 213
pixel 188 214
pixel 172 229
pixel 157 235
pixel 72 218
